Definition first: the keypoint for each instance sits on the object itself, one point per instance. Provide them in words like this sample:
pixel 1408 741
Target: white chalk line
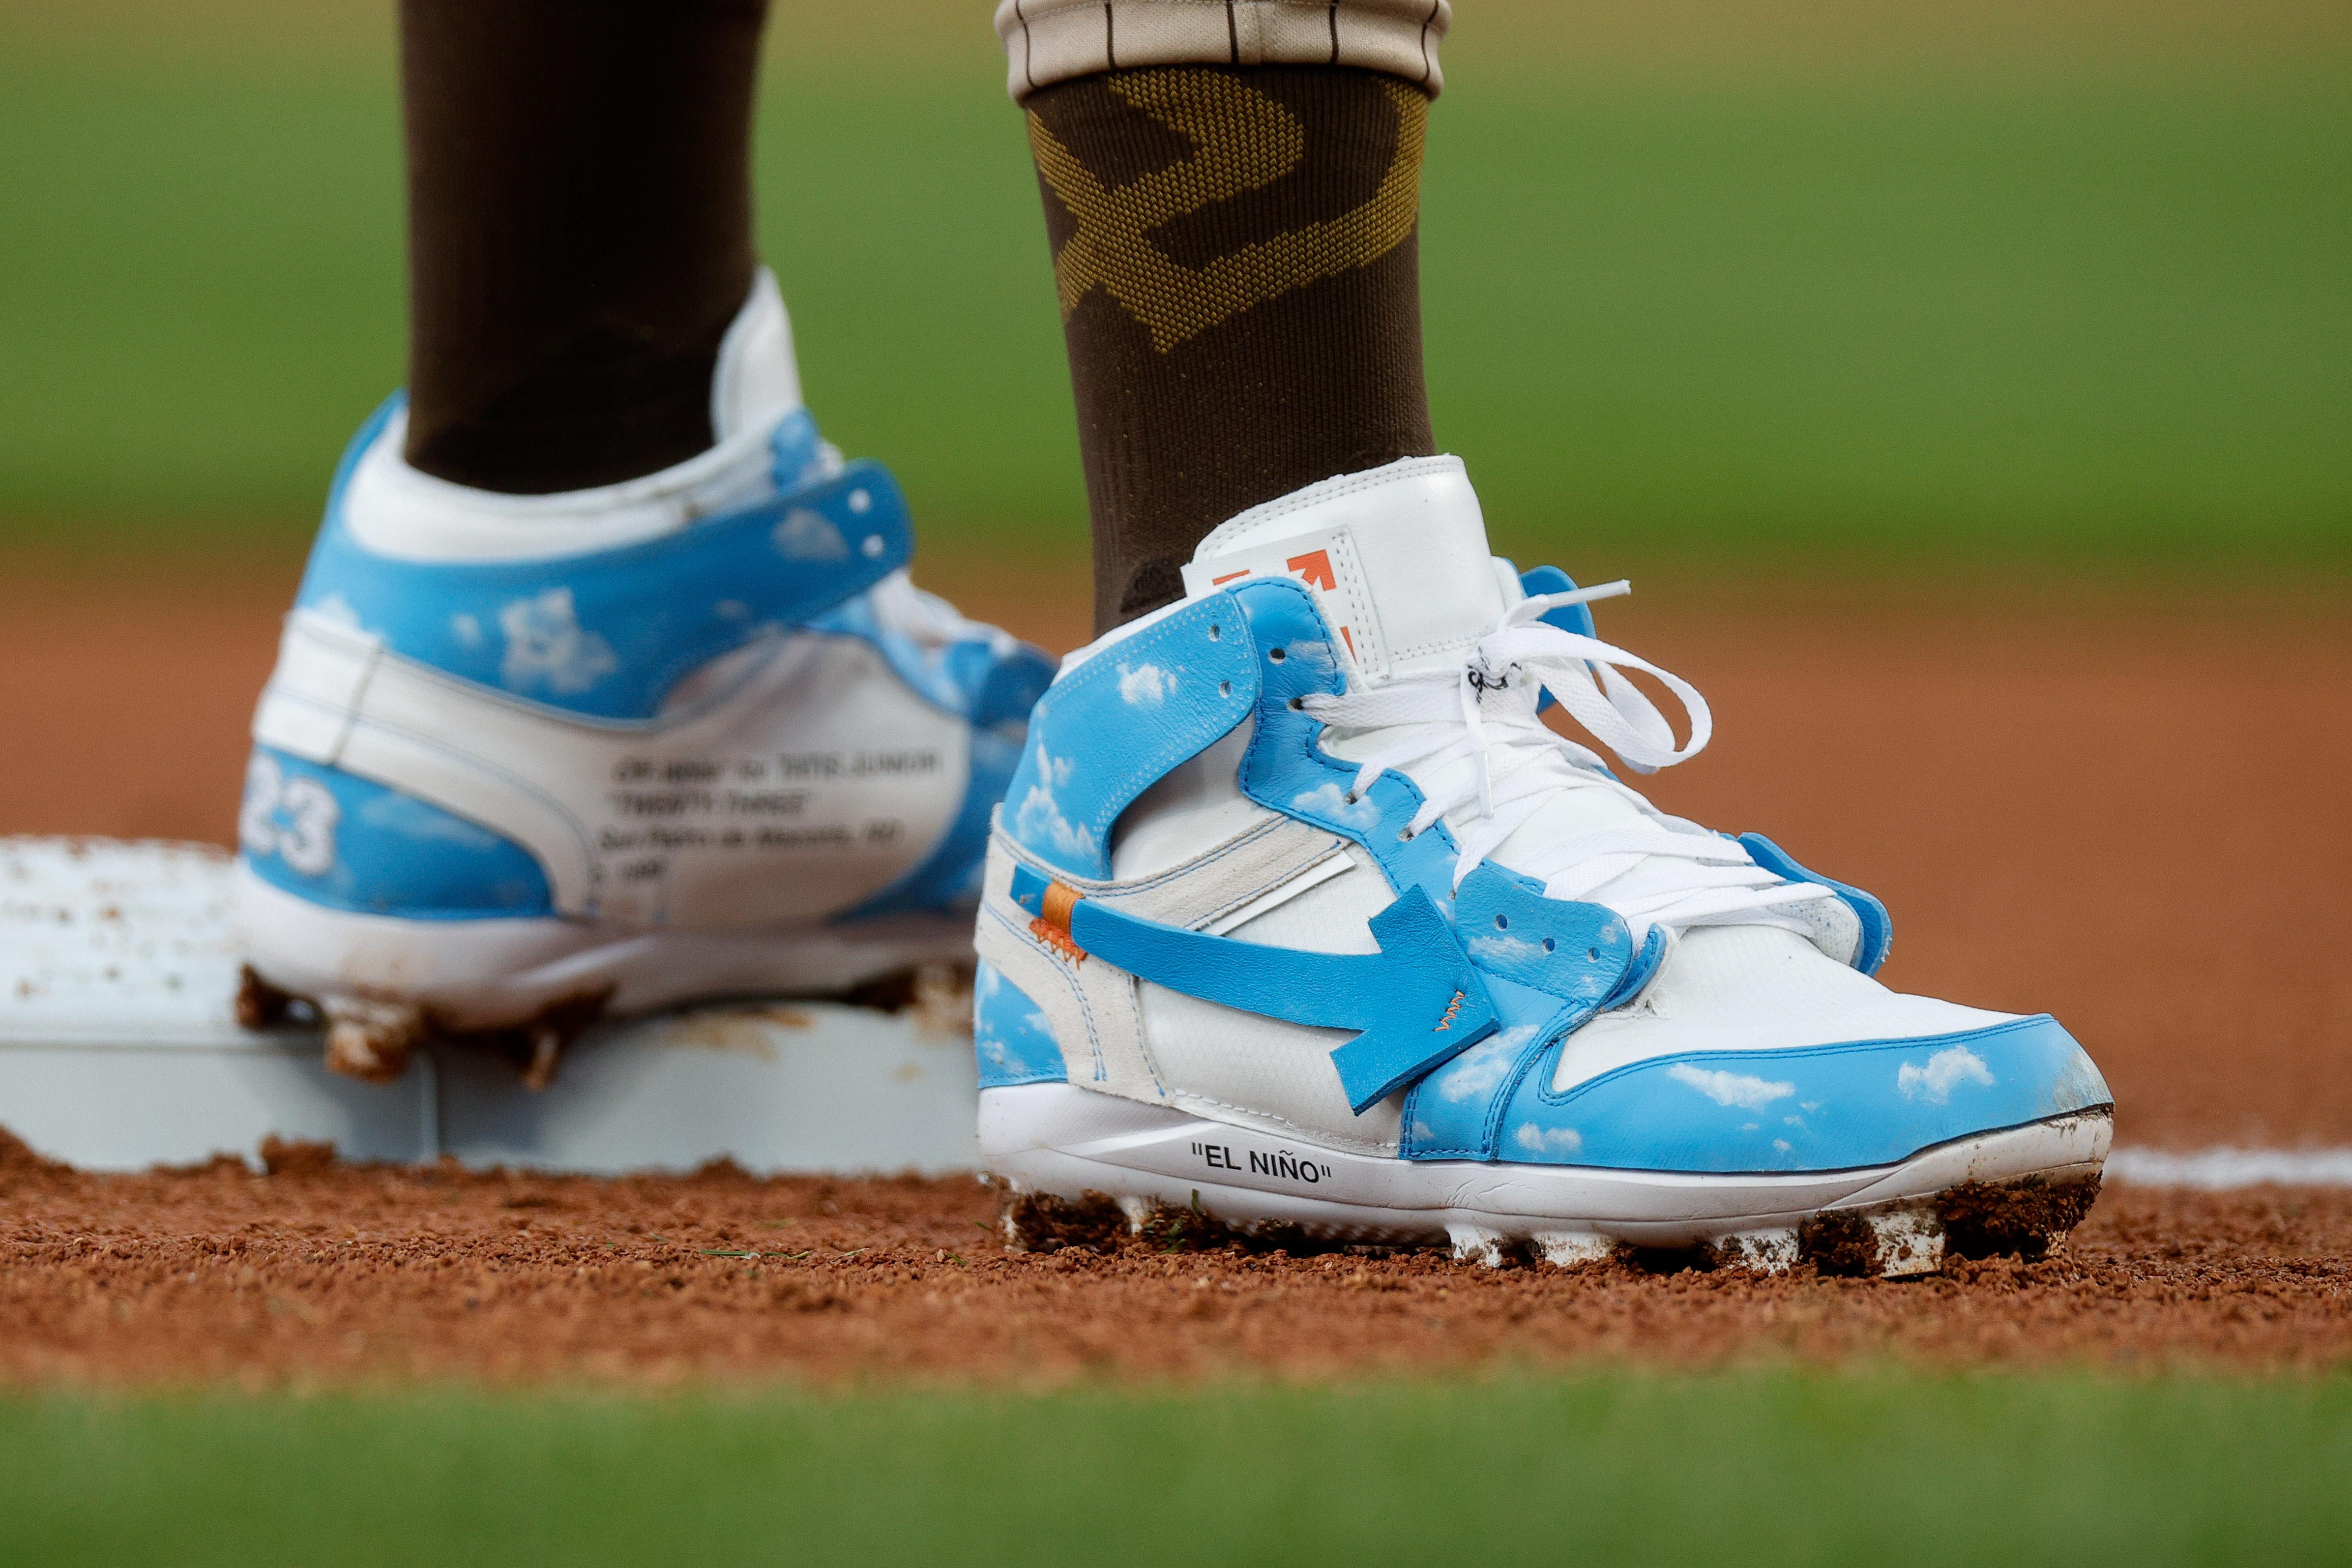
pixel 2223 1169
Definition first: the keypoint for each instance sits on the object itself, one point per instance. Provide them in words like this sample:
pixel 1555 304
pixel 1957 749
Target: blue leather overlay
pixel 948 878
pixel 1451 1113
pixel 351 844
pixel 1106 732
pixel 1285 770
pixel 795 450
pixel 1817 1108
pixel 1577 953
pixel 1028 888
pixel 1416 1003
pixel 1640 973
pixel 606 635
pixel 1010 1037
pixel 1012 688
pixel 1877 925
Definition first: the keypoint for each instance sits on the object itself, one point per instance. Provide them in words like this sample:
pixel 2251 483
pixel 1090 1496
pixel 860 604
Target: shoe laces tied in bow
pixel 1487 764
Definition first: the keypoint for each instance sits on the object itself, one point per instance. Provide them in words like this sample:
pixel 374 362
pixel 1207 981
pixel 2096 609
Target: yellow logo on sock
pixel 1242 140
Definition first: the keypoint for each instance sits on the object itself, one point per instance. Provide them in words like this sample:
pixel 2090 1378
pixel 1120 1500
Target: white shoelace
pixel 1660 870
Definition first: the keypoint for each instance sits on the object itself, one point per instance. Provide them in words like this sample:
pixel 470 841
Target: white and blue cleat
pixel 526 760
pixel 1299 919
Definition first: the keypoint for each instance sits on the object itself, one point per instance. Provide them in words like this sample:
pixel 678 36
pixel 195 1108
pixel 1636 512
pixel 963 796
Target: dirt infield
pixel 2127 809
pixel 336 1274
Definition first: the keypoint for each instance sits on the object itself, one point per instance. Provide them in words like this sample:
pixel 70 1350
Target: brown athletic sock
pixel 1236 251
pixel 580 231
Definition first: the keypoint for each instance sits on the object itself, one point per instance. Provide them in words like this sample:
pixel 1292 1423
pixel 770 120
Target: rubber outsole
pixel 1067 1160
pixel 381 985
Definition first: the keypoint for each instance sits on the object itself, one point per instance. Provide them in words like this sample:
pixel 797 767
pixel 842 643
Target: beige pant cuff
pixel 1053 40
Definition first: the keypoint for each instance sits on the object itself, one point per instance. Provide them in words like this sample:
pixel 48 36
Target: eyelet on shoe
pixel 1404 835
pixel 1298 705
pixel 1593 954
pixel 1350 798
pixel 1277 655
pixel 1547 944
pixel 1216 632
pixel 1224 689
pixel 1502 923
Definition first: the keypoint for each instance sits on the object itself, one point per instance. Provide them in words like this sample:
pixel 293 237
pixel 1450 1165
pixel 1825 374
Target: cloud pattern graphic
pixel 1744 1091
pixel 547 644
pixel 1945 1071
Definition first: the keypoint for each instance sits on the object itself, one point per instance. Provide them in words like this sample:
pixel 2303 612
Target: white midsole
pixel 486 973
pixel 1058 1139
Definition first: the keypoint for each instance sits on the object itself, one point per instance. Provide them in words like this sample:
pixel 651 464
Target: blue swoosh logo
pixel 1414 1004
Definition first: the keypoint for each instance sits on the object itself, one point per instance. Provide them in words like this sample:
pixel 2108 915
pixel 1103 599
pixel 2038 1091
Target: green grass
pixel 2091 306
pixel 1867 1467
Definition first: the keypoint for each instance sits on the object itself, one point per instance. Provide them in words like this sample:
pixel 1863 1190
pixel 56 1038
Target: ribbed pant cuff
pixel 1048 41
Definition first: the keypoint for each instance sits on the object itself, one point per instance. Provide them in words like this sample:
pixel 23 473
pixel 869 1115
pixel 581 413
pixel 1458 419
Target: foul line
pixel 2219 1170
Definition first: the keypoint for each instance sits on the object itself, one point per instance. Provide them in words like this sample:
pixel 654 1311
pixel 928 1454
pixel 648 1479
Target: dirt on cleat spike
pixel 1184 1228
pixel 1572 1249
pixel 2027 1216
pixel 1042 1222
pixel 1478 1243
pixel 1910 1241
pixel 1770 1251
pixel 370 1040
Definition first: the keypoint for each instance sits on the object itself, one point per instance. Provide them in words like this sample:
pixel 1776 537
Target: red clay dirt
pixel 331 1274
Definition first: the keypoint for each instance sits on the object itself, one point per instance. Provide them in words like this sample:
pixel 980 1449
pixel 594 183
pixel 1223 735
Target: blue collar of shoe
pixel 607 635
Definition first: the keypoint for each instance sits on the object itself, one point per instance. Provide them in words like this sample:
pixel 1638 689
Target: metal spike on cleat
pixel 369 1039
pixel 1480 1245
pixel 1910 1241
pixel 547 1043
pixel 1767 1251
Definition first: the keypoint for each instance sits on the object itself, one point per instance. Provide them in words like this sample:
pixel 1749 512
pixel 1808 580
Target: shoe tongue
pixel 1397 556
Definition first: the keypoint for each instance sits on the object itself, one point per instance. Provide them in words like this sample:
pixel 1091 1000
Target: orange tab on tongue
pixel 1325 562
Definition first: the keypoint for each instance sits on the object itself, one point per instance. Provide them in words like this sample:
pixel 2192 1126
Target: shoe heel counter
pixel 608 634
pixel 348 842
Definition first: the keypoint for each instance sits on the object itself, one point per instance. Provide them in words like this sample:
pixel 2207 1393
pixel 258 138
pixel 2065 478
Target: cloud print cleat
pixel 1300 919
pixel 526 760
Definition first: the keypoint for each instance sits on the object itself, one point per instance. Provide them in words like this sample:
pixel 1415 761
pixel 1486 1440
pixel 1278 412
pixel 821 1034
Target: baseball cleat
pixel 1299 919
pixel 527 761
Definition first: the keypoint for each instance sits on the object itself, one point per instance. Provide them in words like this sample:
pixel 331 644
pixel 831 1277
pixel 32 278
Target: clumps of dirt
pixel 259 1005
pixel 1839 1243
pixel 2026 1218
pixel 20 1161
pixel 938 994
pixel 1040 1222
pixel 295 1157
pixel 1036 1222
pixel 331 1271
pixel 1171 1227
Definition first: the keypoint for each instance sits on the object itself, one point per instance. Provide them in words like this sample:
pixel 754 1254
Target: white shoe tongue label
pixel 1326 562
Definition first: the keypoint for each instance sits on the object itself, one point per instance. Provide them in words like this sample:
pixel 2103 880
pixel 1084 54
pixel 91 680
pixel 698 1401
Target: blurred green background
pixel 1873 1466
pixel 1835 286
